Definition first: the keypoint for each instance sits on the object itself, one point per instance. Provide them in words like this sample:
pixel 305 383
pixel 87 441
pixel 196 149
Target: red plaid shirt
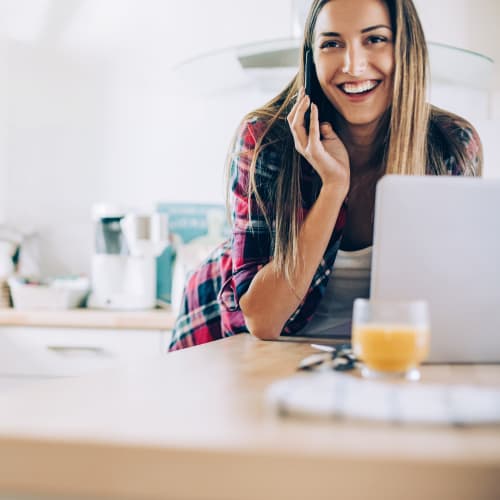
pixel 210 305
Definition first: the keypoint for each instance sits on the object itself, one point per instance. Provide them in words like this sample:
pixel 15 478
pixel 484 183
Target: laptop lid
pixel 438 239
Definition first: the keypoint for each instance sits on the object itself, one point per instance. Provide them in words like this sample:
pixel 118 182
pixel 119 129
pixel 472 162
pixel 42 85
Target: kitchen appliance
pixel 124 262
pixel 19 256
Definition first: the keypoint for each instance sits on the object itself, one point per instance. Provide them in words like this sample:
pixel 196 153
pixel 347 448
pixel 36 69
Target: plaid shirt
pixel 210 305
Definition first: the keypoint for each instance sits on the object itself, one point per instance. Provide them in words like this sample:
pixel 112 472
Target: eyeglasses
pixel 339 358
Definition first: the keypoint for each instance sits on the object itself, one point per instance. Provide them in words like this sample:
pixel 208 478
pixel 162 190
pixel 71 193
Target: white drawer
pixel 36 351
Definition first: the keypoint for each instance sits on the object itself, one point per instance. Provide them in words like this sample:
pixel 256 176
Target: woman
pixel 302 201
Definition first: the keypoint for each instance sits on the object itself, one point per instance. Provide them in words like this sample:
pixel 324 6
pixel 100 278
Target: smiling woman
pixel 302 200
pixel 354 58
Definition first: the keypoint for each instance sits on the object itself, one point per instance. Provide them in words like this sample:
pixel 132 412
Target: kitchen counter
pixel 195 425
pixel 155 319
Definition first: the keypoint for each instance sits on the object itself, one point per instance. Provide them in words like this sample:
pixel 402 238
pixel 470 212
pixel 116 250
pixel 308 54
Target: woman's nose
pixel 354 62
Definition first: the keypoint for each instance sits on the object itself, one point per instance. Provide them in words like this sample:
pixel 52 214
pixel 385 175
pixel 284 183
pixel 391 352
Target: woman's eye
pixel 331 44
pixel 377 39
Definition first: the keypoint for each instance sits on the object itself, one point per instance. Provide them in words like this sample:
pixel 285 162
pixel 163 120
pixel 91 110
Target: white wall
pixel 472 25
pixel 3 130
pixel 95 112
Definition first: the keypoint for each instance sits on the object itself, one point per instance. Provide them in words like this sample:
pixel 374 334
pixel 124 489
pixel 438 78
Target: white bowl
pixel 58 294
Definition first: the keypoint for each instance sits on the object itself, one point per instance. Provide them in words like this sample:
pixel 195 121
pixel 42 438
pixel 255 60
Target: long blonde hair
pixel 412 143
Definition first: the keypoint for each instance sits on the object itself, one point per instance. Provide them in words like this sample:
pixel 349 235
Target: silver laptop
pixel 438 238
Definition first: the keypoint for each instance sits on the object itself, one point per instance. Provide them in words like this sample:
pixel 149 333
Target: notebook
pixel 438 239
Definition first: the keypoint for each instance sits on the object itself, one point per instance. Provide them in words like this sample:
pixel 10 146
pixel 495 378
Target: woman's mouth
pixel 358 89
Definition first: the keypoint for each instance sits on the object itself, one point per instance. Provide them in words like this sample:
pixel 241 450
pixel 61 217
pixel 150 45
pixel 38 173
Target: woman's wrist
pixel 335 189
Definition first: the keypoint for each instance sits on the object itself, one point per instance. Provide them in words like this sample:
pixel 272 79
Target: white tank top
pixel 349 280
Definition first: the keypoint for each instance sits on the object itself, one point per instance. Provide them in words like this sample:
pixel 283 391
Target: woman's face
pixel 354 58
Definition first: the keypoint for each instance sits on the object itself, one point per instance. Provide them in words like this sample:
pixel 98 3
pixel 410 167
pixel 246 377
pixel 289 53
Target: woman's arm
pixel 271 299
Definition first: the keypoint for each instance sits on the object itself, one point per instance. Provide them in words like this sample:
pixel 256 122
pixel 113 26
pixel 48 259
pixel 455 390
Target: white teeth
pixel 358 88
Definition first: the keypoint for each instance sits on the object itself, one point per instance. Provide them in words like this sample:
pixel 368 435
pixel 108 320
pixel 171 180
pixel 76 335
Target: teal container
pixel 186 221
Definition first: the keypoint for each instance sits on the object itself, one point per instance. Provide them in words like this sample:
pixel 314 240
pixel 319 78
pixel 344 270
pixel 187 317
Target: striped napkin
pixel 339 395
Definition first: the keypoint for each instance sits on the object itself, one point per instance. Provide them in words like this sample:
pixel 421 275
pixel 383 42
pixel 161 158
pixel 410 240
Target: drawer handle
pixel 79 351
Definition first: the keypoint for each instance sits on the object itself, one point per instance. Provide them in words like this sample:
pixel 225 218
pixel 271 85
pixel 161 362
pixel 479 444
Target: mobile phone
pixel 308 79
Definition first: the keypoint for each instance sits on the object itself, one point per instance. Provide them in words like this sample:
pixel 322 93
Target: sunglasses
pixel 339 358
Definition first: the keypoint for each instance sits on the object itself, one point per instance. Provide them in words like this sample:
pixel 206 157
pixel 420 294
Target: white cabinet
pixel 41 352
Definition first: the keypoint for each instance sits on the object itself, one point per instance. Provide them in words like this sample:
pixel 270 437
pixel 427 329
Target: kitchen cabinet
pixel 33 351
pixel 35 345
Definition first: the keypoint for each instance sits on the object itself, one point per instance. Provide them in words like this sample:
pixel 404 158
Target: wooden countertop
pixel 194 425
pixel 155 319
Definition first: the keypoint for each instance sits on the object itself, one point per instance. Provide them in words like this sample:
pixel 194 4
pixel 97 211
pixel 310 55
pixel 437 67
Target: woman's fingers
pixel 293 111
pixel 327 131
pixel 296 121
pixel 314 134
pixel 321 145
pixel 291 115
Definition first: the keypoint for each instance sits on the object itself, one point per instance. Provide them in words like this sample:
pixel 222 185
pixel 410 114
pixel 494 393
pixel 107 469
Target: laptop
pixel 438 239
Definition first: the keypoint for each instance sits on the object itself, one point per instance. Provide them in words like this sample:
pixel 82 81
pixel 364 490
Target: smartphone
pixel 308 79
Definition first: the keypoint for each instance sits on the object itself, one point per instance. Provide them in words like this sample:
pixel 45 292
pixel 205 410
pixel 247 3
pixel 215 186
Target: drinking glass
pixel 391 338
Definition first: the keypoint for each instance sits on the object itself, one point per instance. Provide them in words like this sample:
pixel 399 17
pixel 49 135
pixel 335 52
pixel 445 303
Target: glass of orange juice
pixel 391 338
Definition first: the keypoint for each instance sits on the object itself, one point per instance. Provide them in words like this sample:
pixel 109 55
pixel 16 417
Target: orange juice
pixel 390 347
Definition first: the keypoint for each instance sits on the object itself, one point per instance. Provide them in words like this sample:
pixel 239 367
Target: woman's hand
pixel 322 148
